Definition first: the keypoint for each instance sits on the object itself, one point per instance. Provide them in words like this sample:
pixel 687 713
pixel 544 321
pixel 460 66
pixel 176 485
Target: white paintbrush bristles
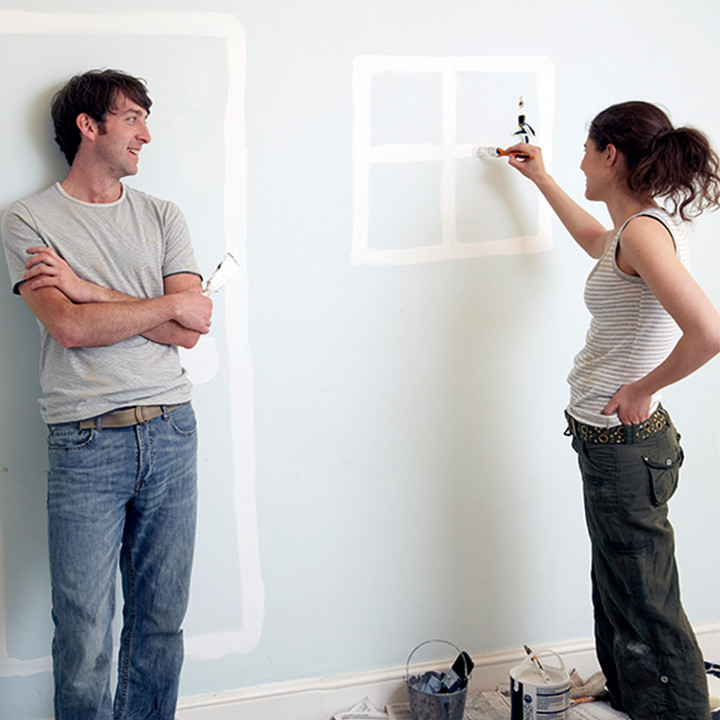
pixel 485 150
pixel 227 267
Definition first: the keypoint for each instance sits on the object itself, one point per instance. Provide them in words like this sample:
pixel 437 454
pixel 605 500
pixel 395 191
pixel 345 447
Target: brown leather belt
pixel 618 434
pixel 127 417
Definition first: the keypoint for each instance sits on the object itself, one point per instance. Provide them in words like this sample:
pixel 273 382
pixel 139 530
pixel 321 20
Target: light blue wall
pixel 382 457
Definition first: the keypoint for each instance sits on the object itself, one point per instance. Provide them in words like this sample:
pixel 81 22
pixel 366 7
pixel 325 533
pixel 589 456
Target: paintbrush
pixel 483 150
pixel 227 267
pixel 538 664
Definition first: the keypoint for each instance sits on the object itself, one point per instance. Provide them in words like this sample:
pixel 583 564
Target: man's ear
pixel 87 126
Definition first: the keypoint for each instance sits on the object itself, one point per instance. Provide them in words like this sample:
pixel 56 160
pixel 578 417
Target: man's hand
pixel 194 310
pixel 46 268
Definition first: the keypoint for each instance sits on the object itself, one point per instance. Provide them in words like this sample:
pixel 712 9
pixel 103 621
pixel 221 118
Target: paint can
pixel 428 704
pixel 538 696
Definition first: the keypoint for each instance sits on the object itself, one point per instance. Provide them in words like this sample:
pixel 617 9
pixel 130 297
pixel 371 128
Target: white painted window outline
pixel 365 155
pixel 243 639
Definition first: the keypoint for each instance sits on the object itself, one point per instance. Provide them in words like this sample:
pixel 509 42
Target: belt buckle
pixel 572 428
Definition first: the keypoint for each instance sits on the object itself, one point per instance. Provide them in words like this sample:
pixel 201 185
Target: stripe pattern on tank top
pixel 630 332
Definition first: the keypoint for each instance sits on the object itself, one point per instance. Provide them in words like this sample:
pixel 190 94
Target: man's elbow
pixel 67 335
pixel 182 337
pixel 189 340
pixel 57 313
pixel 70 329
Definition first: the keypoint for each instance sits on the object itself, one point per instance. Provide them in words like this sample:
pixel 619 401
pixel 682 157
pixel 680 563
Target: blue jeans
pixel 128 494
pixel 644 641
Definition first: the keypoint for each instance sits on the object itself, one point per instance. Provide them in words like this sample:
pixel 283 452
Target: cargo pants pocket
pixel 663 472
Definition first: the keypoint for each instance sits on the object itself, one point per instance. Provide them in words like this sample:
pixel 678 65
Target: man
pixel 110 275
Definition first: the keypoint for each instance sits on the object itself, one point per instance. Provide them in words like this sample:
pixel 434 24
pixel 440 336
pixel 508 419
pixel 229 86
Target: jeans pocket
pixel 664 472
pixel 183 420
pixel 69 437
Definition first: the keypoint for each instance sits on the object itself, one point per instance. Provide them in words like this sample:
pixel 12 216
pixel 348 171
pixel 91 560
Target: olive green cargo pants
pixel 645 645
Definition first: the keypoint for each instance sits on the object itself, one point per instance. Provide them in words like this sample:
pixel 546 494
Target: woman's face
pixel 594 166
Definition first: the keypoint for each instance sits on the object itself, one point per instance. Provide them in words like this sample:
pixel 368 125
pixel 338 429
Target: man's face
pixel 121 137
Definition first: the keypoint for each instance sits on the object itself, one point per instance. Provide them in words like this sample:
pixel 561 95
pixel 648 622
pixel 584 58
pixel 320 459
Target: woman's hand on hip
pixel 631 405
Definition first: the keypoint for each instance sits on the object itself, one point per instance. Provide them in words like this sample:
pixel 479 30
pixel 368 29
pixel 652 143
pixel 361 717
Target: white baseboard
pixel 321 698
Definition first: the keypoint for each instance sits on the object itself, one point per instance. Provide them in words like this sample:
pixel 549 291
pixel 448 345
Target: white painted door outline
pixel 445 153
pixel 242 639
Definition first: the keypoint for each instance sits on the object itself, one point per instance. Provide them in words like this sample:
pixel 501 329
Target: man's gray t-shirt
pixel 129 245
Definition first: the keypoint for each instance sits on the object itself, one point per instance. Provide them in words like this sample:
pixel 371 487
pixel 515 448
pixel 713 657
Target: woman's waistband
pixel 618 434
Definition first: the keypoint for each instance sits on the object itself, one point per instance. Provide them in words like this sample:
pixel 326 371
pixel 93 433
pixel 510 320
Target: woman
pixel 629 454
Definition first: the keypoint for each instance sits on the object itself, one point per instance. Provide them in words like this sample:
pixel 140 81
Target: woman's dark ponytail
pixel 674 164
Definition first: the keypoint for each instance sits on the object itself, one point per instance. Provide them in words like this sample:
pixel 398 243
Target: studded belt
pixel 618 434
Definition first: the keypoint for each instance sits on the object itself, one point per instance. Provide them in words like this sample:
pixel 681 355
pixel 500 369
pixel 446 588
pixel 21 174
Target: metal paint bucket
pixel 534 696
pixel 430 705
